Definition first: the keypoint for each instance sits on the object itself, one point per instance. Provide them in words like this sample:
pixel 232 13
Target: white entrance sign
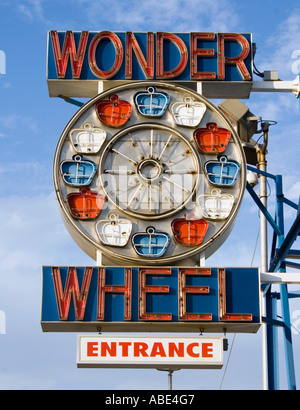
pixel 158 352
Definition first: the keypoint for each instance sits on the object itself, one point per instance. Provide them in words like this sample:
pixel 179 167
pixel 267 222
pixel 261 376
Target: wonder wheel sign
pixel 149 176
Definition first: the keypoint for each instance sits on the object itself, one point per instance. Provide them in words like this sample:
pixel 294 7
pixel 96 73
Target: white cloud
pixel 173 15
pixel 136 15
pixel 24 177
pixel 25 11
pixel 6 84
pixel 278 52
pixel 275 106
pixel 17 121
pixel 32 9
pixel 292 190
pixel 31 225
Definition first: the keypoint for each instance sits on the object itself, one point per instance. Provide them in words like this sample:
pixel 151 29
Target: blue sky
pixel 32 233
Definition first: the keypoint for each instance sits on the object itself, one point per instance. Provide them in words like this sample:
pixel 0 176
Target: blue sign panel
pixel 150 299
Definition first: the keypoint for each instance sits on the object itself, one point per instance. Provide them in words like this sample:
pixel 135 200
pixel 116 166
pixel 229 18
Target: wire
pixel 270 189
pixel 220 388
pixel 255 70
pixel 223 377
pixel 254 252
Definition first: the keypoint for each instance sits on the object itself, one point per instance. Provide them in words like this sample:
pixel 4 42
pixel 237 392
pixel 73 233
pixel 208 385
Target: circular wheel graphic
pixel 149 173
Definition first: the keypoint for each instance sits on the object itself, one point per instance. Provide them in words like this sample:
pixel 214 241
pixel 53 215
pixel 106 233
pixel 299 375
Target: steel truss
pixel 281 250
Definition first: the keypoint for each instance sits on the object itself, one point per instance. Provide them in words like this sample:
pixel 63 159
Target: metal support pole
pixel 288 346
pixel 262 166
pixel 271 312
pixel 170 379
pixel 170 374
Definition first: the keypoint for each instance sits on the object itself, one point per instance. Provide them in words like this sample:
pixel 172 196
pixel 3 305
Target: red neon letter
pixel 144 288
pixel 69 49
pixel 63 298
pixel 92 349
pixel 228 317
pixel 118 59
pixel 146 66
pixel 238 60
pixel 103 288
pixel 201 52
pixel 161 74
pixel 184 289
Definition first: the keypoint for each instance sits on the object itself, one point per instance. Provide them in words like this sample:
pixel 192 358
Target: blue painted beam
pixel 71 101
pixel 263 208
pixel 288 241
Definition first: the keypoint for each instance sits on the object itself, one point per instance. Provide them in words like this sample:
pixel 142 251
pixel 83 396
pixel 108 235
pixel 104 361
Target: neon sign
pixel 107 55
pixel 165 298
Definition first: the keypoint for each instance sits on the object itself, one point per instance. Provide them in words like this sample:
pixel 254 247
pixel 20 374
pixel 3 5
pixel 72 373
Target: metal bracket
pixel 280 278
pixel 277 86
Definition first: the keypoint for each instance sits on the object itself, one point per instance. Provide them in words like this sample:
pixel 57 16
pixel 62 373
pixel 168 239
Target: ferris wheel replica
pixel 148 174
